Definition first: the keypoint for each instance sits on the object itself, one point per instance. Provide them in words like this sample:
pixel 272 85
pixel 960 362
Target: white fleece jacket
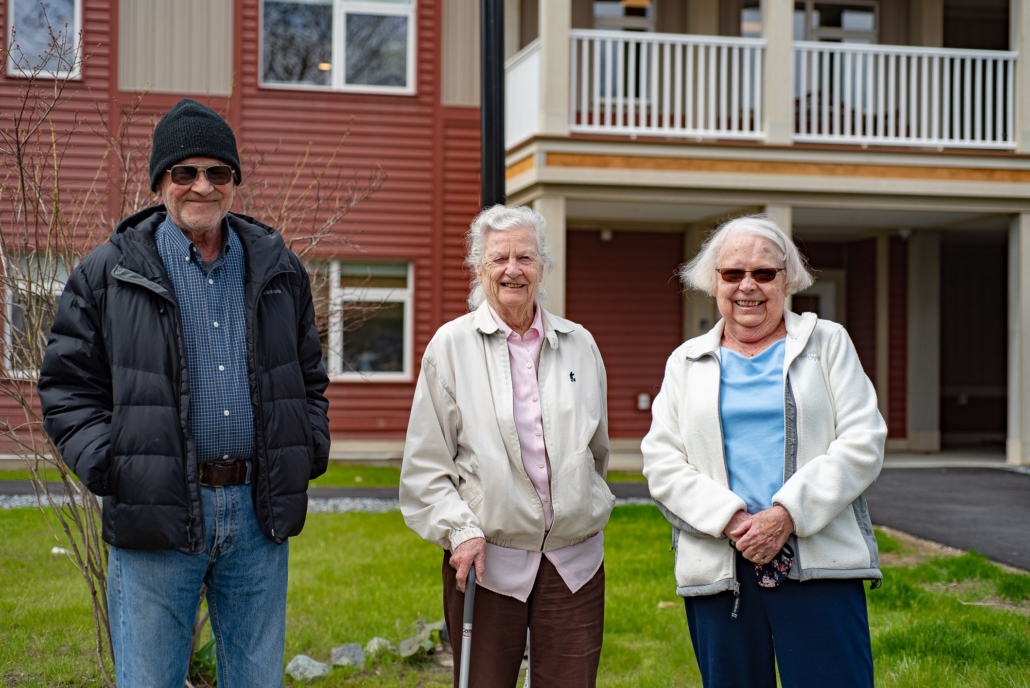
pixel 833 452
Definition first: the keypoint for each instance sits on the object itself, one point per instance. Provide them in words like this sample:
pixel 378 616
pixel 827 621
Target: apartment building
pixel 889 136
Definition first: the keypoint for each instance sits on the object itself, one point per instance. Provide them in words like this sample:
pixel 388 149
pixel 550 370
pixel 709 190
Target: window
pixel 369 323
pixel 624 15
pixel 43 36
pixel 33 284
pixel 843 21
pixel 346 45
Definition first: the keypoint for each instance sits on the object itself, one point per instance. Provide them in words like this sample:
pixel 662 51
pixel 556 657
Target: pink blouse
pixel 512 572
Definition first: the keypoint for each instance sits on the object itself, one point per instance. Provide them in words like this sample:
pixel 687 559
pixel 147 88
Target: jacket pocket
pixel 470 489
pixel 602 488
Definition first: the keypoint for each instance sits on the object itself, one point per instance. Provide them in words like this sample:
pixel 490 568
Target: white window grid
pixel 55 289
pixel 341 9
pixel 338 296
pixel 75 34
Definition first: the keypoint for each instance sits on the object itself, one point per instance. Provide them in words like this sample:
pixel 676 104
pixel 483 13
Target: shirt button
pixel 221 368
pixel 534 399
pixel 225 412
pixel 216 324
pixel 547 499
pixel 210 281
pixel 529 365
pixel 187 258
pixel 224 458
pixel 538 433
pixel 540 465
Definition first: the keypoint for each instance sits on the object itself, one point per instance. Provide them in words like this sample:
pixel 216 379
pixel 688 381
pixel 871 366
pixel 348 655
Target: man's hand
pixel 739 524
pixel 769 530
pixel 469 553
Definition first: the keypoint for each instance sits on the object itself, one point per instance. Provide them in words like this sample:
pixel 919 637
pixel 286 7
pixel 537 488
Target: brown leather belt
pixel 216 474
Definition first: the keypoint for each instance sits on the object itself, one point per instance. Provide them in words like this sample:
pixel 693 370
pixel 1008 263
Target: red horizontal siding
pixel 625 293
pixel 860 263
pixel 897 388
pixel 430 156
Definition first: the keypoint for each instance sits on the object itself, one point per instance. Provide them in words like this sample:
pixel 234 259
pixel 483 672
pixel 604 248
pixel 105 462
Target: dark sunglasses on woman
pixel 185 175
pixel 761 275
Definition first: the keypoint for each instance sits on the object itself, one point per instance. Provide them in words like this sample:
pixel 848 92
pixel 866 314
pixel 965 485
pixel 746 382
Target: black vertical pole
pixel 491 45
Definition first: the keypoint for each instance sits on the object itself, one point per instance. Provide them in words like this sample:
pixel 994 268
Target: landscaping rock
pixel 379 645
pixel 349 654
pixel 303 668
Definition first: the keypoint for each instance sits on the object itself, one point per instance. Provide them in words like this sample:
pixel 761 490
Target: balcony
pixel 696 88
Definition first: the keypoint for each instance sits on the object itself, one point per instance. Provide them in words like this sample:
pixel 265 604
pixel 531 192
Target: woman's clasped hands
pixel 760 537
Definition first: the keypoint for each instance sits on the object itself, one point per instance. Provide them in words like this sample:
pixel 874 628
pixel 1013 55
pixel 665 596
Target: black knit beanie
pixel 192 130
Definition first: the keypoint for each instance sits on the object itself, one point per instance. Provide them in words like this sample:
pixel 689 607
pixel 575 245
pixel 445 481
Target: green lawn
pixel 354 576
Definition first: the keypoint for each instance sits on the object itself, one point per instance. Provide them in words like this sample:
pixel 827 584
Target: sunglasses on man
pixel 761 275
pixel 186 175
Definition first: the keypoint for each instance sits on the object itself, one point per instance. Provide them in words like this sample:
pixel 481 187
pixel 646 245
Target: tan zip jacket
pixel 462 475
pixel 834 437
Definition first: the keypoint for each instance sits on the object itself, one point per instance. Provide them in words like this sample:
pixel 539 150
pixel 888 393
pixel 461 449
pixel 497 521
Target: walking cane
pixel 466 628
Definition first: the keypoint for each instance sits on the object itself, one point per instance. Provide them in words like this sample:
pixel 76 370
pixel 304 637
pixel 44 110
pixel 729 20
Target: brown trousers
pixel 565 631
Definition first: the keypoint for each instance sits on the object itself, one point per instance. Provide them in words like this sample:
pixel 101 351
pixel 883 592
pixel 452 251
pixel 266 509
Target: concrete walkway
pixel 984 509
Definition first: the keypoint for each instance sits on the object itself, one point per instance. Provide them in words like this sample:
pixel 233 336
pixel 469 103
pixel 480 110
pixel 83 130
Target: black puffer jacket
pixel 115 388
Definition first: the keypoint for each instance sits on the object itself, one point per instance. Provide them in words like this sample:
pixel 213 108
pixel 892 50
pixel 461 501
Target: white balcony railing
pixel 665 85
pixel 522 94
pixel 877 94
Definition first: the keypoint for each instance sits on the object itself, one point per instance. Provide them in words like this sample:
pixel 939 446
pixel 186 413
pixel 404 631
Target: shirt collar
pixel 186 248
pixel 537 326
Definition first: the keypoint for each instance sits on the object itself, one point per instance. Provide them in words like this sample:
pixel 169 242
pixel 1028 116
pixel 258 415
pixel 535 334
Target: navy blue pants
pixel 816 632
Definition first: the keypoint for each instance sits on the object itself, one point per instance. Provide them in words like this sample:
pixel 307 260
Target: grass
pixel 339 475
pixel 959 621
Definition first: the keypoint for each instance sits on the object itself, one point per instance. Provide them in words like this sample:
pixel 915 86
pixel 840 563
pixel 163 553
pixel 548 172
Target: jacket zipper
pixel 139 280
pixel 726 466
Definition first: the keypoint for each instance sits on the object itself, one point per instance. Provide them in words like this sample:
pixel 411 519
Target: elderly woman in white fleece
pixel 504 465
pixel 764 438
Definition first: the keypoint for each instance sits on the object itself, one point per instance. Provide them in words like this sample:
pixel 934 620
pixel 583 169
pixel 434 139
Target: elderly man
pixel 183 383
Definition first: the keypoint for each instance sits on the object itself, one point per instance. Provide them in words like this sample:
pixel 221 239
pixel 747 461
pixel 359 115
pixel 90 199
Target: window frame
pixel 338 296
pixel 75 73
pixel 9 303
pixel 338 52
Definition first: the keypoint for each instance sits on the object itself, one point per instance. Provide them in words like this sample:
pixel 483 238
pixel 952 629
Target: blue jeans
pixel 153 597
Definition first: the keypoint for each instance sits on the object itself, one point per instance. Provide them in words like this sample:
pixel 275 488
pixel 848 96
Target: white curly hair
pixel 700 272
pixel 500 218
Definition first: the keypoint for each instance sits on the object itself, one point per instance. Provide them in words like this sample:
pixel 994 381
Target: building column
pixel 883 304
pixel 778 65
pixel 555 22
pixel 783 215
pixel 553 210
pixel 1018 435
pixel 1019 41
pixel 703 17
pixel 926 19
pixel 924 342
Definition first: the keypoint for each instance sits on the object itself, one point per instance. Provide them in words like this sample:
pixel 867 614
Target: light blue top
pixel 751 407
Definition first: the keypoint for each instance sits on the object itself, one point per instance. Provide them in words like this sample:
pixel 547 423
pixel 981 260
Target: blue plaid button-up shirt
pixel 211 306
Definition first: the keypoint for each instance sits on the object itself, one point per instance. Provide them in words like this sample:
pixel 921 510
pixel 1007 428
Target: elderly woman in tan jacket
pixel 504 465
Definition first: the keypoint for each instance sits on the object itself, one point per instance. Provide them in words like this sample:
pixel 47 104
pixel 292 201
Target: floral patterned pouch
pixel 774 572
